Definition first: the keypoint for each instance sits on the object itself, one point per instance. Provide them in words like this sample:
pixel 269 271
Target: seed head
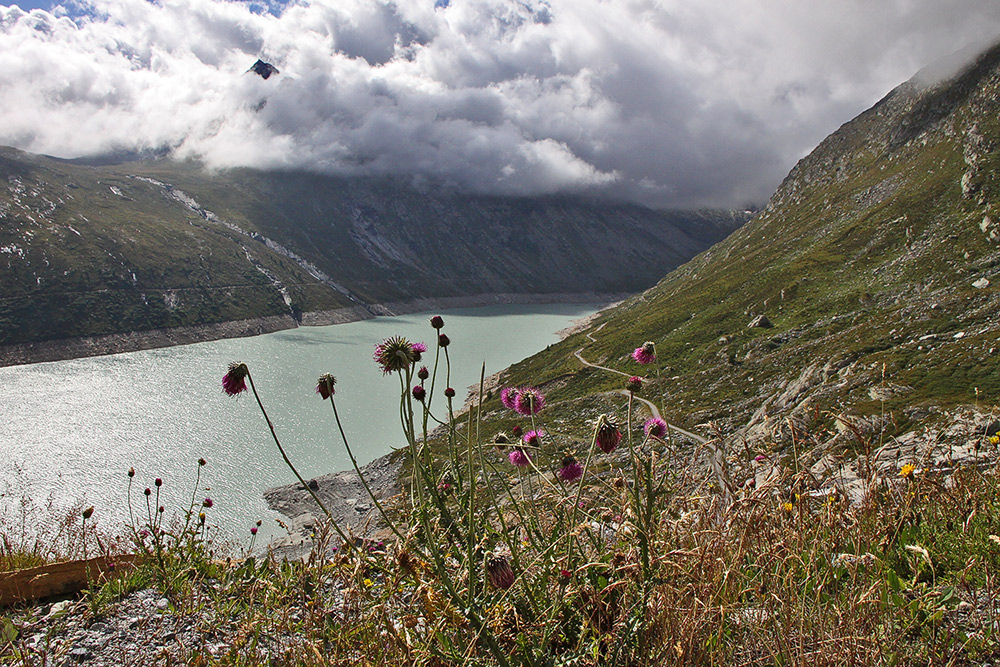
pixel 395 354
pixel 234 381
pixel 324 385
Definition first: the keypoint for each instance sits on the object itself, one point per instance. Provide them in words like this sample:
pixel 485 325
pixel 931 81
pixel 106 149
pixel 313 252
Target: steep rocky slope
pixel 875 265
pixel 91 250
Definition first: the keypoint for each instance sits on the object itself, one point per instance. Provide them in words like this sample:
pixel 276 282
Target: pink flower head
pixel 645 354
pixel 253 530
pixel 207 502
pixel 519 458
pixel 760 458
pixel 508 396
pixel 608 435
pixel 655 427
pixel 234 381
pixel 418 350
pixel 419 392
pixel 571 470
pixel 529 401
pixel 634 384
pixel 324 385
pixel 533 438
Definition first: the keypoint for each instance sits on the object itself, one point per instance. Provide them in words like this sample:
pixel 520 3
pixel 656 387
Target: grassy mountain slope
pixel 95 249
pixel 876 261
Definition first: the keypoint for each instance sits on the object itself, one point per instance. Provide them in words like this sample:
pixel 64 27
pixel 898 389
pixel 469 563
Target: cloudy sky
pixel 664 102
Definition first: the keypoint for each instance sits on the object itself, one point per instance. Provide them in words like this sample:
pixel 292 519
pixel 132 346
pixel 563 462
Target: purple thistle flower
pixel 645 354
pixel 608 435
pixel 207 502
pixel 519 458
pixel 324 385
pixel 437 322
pixel 418 351
pixel 253 530
pixel 529 401
pixel 533 438
pixel 419 392
pixel 634 384
pixel 655 427
pixel 234 381
pixel 508 396
pixel 760 458
pixel 571 470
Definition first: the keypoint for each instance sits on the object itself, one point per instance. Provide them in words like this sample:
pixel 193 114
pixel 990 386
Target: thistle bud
pixel 608 435
pixel 324 385
pixel 499 572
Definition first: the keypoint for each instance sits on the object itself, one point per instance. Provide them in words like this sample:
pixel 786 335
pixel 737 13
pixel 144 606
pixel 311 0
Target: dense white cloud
pixel 667 102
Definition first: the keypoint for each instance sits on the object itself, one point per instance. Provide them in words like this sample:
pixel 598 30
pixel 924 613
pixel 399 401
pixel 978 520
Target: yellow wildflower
pixel 907 471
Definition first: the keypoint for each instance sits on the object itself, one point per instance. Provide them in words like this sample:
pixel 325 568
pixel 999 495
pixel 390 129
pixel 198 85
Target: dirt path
pixel 652 407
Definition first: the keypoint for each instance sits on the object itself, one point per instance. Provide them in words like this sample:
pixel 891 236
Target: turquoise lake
pixel 70 430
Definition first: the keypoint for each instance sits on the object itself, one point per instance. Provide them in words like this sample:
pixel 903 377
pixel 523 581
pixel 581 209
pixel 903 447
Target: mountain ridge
pixel 875 261
pixel 104 250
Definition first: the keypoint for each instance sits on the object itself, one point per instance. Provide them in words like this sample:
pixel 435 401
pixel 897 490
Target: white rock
pixel 982 283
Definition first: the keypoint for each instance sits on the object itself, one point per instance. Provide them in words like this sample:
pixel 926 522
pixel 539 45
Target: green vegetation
pixel 640 557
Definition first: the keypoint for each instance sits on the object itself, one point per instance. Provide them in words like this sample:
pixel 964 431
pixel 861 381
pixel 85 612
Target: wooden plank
pixel 66 578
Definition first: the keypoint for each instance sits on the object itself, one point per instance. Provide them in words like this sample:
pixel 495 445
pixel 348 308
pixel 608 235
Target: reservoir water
pixel 70 430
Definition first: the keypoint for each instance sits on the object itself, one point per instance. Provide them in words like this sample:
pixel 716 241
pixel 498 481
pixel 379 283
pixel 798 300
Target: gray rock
pixel 760 322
